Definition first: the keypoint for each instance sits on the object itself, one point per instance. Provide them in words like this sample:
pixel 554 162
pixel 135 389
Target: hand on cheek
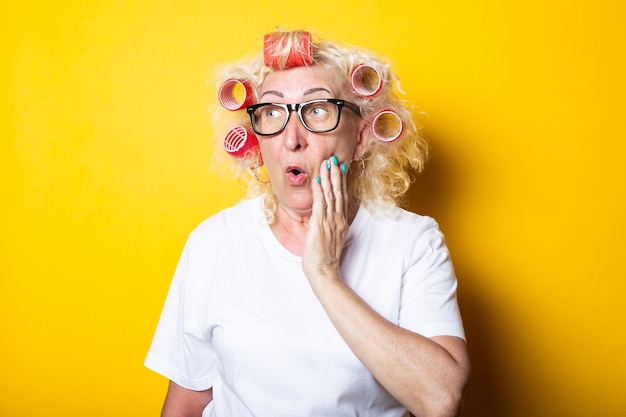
pixel 328 225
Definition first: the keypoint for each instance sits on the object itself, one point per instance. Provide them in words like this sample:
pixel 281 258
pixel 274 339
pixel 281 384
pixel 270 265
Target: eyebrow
pixel 307 92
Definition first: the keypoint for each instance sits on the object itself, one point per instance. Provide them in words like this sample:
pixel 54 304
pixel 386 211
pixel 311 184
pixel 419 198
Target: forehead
pixel 298 82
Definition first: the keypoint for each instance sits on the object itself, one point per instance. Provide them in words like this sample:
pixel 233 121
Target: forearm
pixel 423 375
pixel 181 402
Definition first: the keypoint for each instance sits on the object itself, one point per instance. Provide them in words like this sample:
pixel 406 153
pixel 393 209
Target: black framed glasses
pixel 318 116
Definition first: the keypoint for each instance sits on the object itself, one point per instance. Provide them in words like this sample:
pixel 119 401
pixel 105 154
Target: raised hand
pixel 328 225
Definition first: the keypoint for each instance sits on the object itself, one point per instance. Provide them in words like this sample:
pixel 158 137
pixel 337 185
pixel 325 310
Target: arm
pixel 427 375
pixel 182 402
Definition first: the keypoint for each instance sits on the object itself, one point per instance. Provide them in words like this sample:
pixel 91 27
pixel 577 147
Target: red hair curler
pixel 300 52
pixel 387 125
pixel 235 94
pixel 239 141
pixel 366 80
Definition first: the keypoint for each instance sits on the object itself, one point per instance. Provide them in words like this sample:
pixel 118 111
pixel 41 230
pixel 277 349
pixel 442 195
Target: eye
pixel 273 112
pixel 317 110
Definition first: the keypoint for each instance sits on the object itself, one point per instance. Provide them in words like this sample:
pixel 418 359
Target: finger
pixel 326 187
pixel 344 187
pixel 319 200
pixel 338 186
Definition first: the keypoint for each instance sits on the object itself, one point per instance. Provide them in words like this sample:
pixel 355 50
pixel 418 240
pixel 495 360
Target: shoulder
pixel 241 213
pixel 398 228
pixel 227 222
pixel 400 219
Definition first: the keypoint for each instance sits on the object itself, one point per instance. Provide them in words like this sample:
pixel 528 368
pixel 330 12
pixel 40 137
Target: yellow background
pixel 104 166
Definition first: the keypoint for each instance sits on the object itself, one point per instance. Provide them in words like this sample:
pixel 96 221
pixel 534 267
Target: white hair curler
pixel 366 80
pixel 235 94
pixel 239 141
pixel 387 125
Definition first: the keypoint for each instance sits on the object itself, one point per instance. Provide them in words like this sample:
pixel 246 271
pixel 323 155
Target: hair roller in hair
pixel 235 94
pixel 366 80
pixel 387 125
pixel 239 141
pixel 300 52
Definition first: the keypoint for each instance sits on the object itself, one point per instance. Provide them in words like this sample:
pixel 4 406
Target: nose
pixel 294 133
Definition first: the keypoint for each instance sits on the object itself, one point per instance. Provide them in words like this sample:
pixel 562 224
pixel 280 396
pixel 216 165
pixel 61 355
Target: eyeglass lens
pixel 316 116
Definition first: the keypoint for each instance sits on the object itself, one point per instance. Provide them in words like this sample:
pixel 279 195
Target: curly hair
pixel 384 174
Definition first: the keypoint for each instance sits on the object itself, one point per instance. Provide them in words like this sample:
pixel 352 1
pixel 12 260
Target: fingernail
pixel 335 160
pixel 318 179
pixel 344 168
pixel 328 164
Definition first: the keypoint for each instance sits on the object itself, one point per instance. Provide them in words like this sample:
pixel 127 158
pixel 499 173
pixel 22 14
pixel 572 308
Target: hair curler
pixel 300 52
pixel 239 141
pixel 366 80
pixel 387 125
pixel 235 94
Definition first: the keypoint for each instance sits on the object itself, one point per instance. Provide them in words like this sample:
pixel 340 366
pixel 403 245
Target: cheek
pixel 268 150
pixel 347 139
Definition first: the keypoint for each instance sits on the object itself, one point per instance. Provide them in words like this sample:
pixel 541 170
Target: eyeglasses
pixel 318 116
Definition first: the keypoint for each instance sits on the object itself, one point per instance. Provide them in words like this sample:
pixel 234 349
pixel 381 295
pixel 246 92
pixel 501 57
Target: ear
pixel 363 141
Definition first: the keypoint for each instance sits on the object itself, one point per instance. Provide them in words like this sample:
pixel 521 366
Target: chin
pixel 298 203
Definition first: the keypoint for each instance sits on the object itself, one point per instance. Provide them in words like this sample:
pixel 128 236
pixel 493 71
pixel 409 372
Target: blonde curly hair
pixel 383 176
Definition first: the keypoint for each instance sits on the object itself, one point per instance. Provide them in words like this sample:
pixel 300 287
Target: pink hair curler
pixel 387 125
pixel 300 53
pixel 366 80
pixel 239 141
pixel 235 94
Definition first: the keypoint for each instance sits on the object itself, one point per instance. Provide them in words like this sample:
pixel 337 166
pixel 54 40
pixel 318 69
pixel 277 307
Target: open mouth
pixel 296 176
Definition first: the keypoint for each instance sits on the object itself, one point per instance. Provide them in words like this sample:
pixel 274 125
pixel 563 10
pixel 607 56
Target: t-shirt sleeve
pixel 181 348
pixel 428 304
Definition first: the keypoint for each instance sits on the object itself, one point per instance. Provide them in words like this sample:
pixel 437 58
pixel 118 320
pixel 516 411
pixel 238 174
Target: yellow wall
pixel 104 167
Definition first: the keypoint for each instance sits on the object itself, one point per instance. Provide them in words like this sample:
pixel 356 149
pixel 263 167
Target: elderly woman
pixel 318 296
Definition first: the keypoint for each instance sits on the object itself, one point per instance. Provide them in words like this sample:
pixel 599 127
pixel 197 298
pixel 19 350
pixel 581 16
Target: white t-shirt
pixel 241 317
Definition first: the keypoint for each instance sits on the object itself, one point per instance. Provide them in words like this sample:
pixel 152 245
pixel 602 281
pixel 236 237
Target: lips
pixel 295 175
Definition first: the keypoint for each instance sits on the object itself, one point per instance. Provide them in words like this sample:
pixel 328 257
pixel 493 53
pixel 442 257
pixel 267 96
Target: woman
pixel 317 297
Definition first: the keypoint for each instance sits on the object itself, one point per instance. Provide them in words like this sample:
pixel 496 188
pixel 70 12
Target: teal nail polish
pixel 328 164
pixel 344 168
pixel 335 160
pixel 319 180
